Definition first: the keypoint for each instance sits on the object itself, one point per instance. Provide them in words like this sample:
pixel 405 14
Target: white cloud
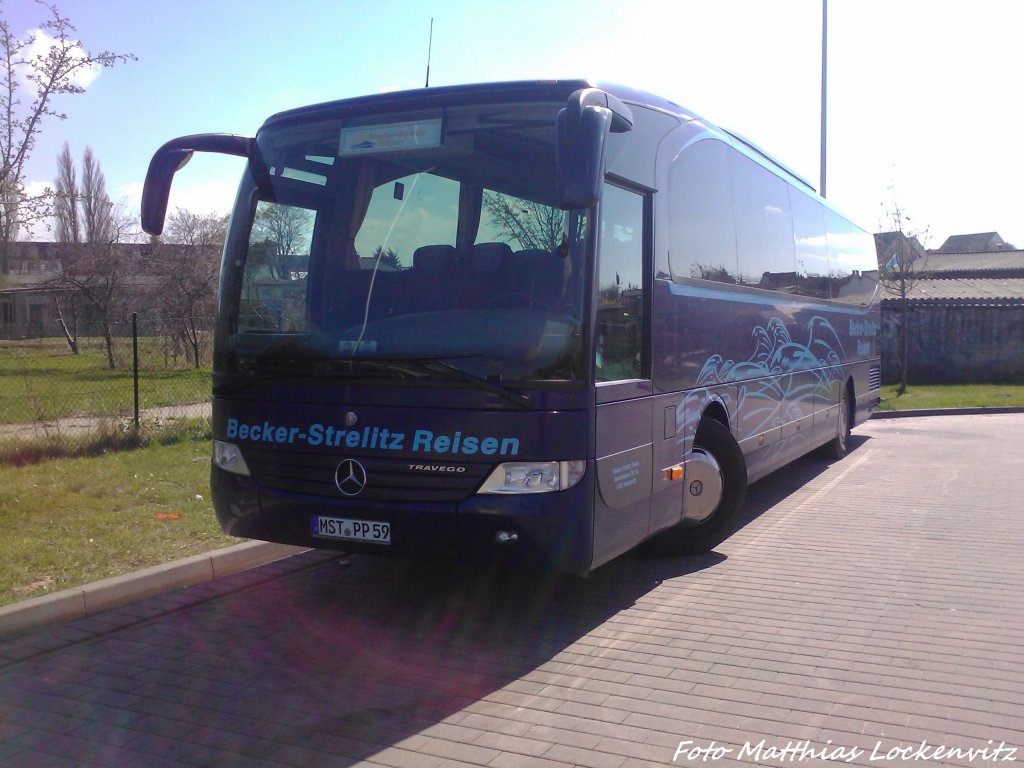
pixel 129 195
pixel 83 76
pixel 37 230
pixel 214 196
pixel 35 188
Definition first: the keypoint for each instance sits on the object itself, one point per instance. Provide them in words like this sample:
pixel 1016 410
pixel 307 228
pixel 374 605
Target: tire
pixel 688 538
pixel 839 446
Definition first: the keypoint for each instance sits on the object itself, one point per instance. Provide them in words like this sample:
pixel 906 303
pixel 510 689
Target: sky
pixel 924 99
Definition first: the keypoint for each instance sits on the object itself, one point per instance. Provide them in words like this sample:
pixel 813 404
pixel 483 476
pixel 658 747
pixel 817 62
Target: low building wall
pixel 950 343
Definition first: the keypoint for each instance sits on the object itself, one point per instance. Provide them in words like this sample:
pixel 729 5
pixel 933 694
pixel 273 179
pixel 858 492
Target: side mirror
pixel 580 131
pixel 580 161
pixel 171 158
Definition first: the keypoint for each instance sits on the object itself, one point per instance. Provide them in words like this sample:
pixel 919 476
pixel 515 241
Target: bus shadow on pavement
pixel 357 655
pixel 352 656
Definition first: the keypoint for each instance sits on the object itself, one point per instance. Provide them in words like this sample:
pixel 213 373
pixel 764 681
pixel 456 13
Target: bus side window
pixel 703 221
pixel 620 310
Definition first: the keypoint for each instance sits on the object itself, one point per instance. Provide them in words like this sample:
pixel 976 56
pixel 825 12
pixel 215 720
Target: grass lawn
pixel 68 522
pixel 951 396
pixel 41 380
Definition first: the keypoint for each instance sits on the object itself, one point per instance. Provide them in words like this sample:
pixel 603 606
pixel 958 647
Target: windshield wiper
pixel 303 369
pixel 297 360
pixel 436 363
pixel 514 396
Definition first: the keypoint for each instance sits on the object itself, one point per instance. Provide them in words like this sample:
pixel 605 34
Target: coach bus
pixel 554 318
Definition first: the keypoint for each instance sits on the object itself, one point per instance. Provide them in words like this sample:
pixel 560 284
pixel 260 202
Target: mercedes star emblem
pixel 350 477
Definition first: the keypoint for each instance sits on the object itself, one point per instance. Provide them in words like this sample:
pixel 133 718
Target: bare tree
pixel 92 233
pixel 901 260
pixel 719 274
pixel 67 230
pixel 281 228
pixel 532 225
pixel 199 230
pixel 28 84
pixel 96 207
pixel 186 265
pixel 65 200
pixel 96 275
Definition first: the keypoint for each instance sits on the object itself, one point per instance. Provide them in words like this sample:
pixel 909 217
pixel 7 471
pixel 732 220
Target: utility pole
pixel 824 88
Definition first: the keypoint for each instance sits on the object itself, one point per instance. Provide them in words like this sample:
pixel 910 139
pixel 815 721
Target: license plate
pixel 346 529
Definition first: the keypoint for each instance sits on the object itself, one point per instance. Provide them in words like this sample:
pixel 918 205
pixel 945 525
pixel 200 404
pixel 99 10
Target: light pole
pixel 824 87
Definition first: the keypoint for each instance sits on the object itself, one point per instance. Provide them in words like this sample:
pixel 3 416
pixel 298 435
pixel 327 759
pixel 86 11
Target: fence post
pixel 135 364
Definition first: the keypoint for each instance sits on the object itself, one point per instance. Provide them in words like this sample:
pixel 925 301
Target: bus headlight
pixel 228 456
pixel 534 477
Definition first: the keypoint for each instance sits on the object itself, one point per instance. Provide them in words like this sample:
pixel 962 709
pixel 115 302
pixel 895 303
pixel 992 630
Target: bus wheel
pixel 838 447
pixel 689 538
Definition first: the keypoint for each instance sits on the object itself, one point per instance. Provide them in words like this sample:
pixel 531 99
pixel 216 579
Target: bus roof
pixel 468 93
pixel 557 89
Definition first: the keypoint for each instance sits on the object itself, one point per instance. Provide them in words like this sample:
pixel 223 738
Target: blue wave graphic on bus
pixel 770 394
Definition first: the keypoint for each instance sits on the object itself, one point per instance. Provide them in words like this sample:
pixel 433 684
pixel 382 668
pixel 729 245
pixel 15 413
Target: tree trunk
pixel 904 378
pixel 109 341
pixel 71 338
pixel 195 352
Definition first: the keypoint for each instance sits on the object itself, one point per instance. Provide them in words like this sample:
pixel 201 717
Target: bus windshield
pixel 411 246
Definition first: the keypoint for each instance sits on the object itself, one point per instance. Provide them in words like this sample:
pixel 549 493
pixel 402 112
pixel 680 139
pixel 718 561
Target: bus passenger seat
pixel 429 288
pixel 539 275
pixel 549 282
pixel 433 258
pixel 527 264
pixel 484 277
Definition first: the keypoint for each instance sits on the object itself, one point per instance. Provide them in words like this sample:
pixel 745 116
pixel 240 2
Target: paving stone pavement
pixel 867 612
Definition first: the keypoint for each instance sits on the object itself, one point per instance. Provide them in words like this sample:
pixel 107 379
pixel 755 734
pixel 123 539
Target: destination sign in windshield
pixel 390 137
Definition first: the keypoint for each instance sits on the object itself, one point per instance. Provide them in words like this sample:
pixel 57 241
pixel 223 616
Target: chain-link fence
pixel 126 379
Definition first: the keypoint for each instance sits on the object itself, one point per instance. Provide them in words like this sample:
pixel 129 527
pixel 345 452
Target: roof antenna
pixel 430 45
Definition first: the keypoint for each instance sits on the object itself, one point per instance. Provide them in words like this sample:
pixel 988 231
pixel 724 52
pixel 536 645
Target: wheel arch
pixel 716 410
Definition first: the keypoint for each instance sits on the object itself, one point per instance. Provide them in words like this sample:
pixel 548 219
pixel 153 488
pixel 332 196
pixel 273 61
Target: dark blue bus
pixel 551 318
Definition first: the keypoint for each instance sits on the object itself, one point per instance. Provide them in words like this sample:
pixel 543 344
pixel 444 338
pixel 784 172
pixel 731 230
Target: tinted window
pixel 433 205
pixel 764 226
pixel 702 238
pixel 631 155
pixel 811 246
pixel 620 276
pixel 436 238
pixel 852 261
pixel 734 221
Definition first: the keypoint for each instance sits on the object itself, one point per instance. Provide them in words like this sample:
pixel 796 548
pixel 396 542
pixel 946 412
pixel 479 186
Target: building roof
pixel 991 277
pixel 966 290
pixel 974 243
pixel 989 263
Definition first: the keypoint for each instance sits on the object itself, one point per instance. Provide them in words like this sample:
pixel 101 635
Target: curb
pixel 78 602
pixel 979 411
